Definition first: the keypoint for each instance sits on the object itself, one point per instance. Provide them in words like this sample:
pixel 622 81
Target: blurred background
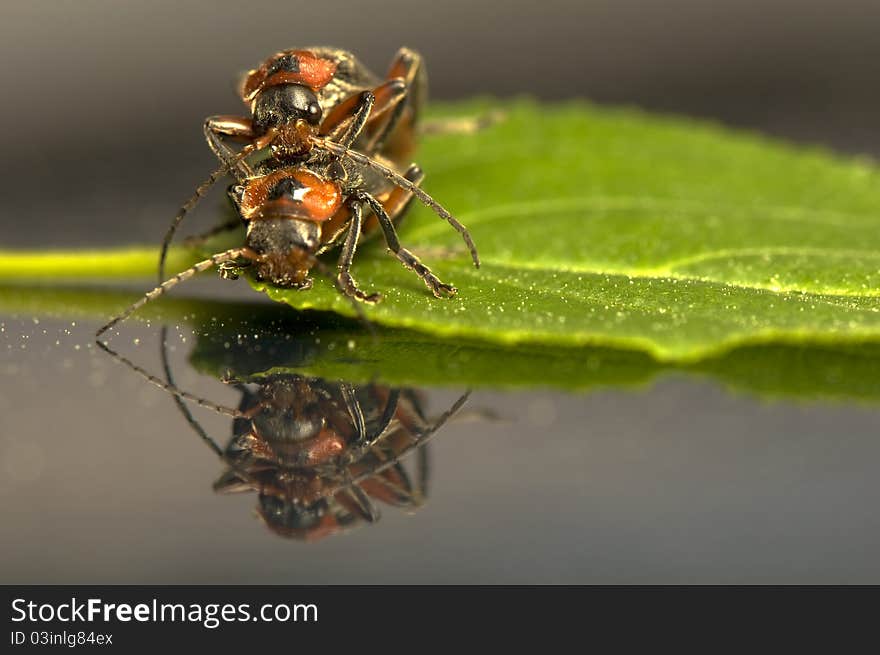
pixel 105 100
pixel 100 478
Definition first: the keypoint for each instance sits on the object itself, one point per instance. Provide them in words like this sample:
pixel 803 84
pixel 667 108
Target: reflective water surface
pixel 104 479
pixel 648 475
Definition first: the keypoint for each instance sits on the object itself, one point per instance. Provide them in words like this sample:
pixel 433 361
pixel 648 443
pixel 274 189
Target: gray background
pixel 104 100
pixel 101 480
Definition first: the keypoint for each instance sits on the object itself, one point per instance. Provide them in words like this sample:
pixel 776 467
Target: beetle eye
pixel 313 113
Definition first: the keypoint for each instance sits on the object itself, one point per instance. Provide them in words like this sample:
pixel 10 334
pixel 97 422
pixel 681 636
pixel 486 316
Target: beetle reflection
pixel 321 455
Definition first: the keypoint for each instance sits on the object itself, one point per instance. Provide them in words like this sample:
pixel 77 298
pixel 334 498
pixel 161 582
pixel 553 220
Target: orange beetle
pixel 325 160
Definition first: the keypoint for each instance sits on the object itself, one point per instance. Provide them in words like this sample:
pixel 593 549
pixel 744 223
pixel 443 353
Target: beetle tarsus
pixel 350 288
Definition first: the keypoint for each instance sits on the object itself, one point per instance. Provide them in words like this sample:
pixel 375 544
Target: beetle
pixel 324 149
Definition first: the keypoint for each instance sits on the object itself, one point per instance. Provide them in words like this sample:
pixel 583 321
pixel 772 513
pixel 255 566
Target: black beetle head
pixel 285 103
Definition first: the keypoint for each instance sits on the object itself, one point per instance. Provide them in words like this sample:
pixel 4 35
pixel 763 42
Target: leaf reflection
pixel 255 339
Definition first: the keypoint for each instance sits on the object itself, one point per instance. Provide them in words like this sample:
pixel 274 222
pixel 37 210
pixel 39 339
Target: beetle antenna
pixel 193 200
pixel 170 388
pixel 193 423
pixel 190 419
pixel 213 260
pixel 395 177
pixel 440 421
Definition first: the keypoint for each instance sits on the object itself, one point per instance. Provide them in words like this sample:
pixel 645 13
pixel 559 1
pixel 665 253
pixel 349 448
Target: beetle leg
pixel 396 202
pixel 387 96
pixel 393 132
pixel 346 281
pixel 391 99
pixel 367 509
pixel 387 415
pixel 438 288
pixel 356 453
pixel 349 122
pixel 394 487
pixel 421 436
pixel 407 64
pixel 377 111
pixel 354 411
pixel 217 127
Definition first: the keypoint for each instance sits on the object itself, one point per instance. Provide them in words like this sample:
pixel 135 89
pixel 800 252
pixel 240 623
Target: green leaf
pixel 613 229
